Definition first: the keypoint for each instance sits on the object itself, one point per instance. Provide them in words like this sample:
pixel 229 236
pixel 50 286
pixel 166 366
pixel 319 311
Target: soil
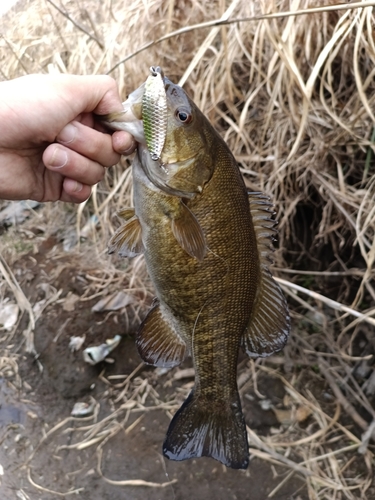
pixel 59 378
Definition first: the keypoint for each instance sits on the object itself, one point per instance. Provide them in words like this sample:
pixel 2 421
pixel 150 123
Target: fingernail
pixel 59 158
pixel 129 149
pixel 67 134
pixel 77 188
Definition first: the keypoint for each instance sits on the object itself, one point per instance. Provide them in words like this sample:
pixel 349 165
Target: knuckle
pixel 99 148
pixel 111 82
pixel 99 173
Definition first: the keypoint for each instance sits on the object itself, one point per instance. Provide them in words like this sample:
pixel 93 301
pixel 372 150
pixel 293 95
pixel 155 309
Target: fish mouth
pixel 161 173
pixel 130 118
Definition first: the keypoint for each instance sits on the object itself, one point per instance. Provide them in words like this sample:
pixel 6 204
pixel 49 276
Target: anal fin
pixel 157 342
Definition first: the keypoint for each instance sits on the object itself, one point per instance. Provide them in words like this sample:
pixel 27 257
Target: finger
pixel 88 93
pixel 89 142
pixel 123 143
pixel 74 191
pixel 108 97
pixel 88 119
pixel 73 165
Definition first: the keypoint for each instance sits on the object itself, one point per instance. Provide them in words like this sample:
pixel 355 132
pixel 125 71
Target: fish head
pixel 186 160
pixel 175 140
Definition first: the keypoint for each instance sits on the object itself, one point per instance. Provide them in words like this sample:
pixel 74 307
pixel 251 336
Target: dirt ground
pixel 59 378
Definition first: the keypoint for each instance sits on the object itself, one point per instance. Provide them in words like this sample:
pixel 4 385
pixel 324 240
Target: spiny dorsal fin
pixel 188 232
pixel 269 323
pixel 127 240
pixel 157 341
pixel 262 212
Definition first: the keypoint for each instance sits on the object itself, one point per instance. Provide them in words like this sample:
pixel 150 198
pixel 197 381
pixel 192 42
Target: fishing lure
pixel 154 112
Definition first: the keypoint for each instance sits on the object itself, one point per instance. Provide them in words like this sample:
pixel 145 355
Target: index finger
pixel 89 142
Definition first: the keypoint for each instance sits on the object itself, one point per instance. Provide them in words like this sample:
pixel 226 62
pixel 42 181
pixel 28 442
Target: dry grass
pixel 294 98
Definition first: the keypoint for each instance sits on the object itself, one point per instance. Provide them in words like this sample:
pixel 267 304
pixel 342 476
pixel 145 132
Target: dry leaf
pixel 284 417
pixel 70 301
pixel 302 413
pixel 76 343
pixel 113 302
pixel 8 315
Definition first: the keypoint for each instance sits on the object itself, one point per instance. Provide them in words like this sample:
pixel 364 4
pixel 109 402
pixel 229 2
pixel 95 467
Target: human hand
pixel 51 145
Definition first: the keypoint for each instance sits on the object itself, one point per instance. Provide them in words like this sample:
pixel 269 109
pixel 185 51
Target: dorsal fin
pixel 269 323
pixel 262 213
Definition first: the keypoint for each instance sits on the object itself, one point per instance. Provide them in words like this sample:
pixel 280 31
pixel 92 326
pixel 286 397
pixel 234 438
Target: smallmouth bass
pixel 206 242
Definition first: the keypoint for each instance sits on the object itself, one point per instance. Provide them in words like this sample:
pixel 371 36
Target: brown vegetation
pixel 294 97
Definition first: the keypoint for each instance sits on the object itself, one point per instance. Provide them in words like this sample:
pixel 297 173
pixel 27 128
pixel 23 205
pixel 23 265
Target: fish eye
pixel 183 115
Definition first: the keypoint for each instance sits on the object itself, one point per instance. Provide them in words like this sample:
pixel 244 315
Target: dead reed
pixel 294 97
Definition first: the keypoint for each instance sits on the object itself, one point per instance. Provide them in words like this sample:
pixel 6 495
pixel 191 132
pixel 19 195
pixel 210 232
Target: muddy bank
pixel 36 421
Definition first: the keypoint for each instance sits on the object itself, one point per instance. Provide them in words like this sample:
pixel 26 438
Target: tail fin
pixel 208 429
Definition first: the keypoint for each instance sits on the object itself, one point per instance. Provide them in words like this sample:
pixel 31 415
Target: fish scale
pixel 219 291
pixel 206 243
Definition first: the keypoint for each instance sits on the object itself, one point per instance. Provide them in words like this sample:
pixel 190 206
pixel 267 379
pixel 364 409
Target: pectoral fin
pixel 126 213
pixel 127 240
pixel 188 232
pixel 269 324
pixel 157 342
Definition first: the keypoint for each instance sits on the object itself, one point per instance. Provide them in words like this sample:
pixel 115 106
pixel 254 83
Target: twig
pixel 22 302
pixel 2 37
pixel 329 302
pixel 348 407
pixel 223 22
pixel 52 492
pixel 369 434
pixel 302 400
pixel 286 461
pixel 349 272
pixel 209 39
pixel 340 355
pixel 76 24
pixel 130 482
pixel 281 484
